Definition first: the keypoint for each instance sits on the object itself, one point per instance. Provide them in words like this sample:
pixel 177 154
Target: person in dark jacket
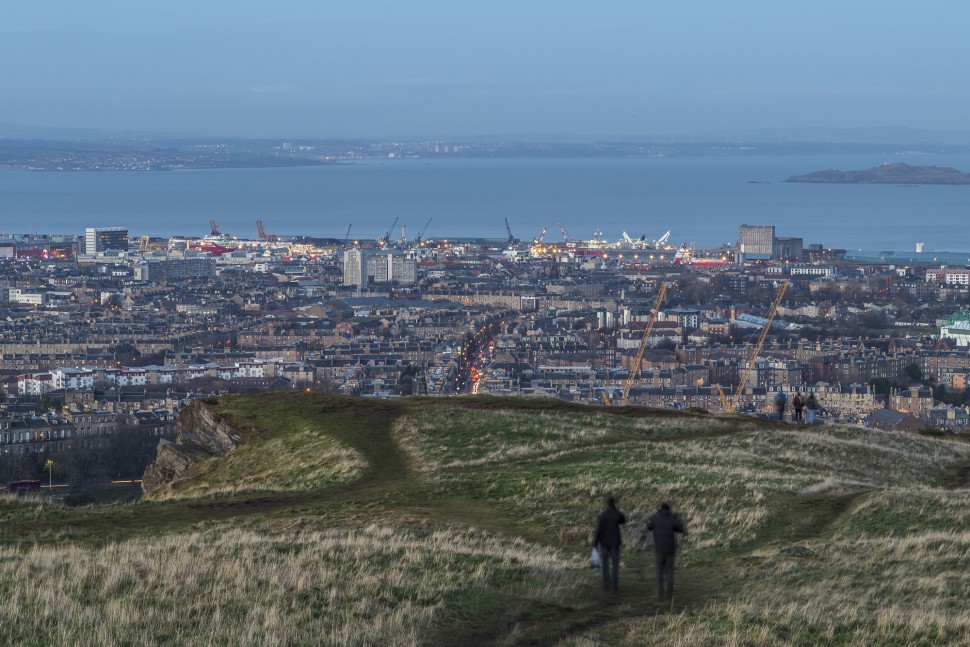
pixel 665 526
pixel 798 404
pixel 607 539
pixel 811 406
pixel 781 401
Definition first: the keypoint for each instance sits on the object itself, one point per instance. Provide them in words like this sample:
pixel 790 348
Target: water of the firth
pixel 701 200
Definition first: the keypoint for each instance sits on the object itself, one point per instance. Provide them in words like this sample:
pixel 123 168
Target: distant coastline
pixel 899 174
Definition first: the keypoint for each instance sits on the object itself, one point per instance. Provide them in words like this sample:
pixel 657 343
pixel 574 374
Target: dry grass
pixel 367 586
pixel 892 591
pixel 302 460
pixel 890 546
pixel 457 438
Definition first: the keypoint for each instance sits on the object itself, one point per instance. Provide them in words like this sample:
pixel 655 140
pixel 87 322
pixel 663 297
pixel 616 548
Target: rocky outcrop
pixel 200 433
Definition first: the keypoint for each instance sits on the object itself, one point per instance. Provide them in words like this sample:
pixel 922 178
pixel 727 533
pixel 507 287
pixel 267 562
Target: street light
pixel 49 464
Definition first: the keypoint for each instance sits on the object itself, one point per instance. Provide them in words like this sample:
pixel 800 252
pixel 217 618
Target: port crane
pixel 213 227
pixel 347 235
pixel 420 236
pixel 542 236
pixel 383 240
pixel 508 230
pixel 755 351
pixel 635 368
pixel 261 231
pixel 565 234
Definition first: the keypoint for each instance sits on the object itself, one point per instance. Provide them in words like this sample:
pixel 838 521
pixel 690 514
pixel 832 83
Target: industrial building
pixel 756 243
pixel 98 240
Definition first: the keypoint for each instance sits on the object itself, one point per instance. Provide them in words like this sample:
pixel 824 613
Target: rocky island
pixel 888 174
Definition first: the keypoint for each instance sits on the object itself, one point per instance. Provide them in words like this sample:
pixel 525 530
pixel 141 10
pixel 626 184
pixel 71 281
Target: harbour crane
pixel 756 349
pixel 542 235
pixel 347 235
pixel 213 227
pixel 660 241
pixel 420 236
pixel 508 230
pixel 261 231
pixel 635 368
pixel 383 240
pixel 565 234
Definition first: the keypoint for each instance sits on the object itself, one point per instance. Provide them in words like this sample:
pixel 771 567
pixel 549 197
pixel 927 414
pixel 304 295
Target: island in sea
pixel 888 174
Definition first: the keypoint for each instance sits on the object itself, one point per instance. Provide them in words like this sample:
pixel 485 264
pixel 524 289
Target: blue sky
pixel 357 68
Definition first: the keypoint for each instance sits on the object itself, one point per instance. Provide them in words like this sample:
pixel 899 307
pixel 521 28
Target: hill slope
pixel 468 520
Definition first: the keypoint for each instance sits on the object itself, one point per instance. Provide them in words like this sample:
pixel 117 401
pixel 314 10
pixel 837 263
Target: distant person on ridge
pixel 665 525
pixel 811 406
pixel 607 540
pixel 798 404
pixel 781 401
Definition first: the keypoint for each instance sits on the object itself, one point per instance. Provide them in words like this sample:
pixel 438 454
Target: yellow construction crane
pixel 643 345
pixel 756 350
pixel 724 401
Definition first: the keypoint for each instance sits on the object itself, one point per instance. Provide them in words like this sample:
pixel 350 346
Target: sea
pixel 700 200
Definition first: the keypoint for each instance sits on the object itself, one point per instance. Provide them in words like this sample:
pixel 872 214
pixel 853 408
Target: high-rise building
pixel 393 266
pixel 98 240
pixel 756 242
pixel 355 268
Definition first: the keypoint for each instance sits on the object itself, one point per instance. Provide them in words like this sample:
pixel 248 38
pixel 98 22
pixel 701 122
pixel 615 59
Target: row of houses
pixel 85 378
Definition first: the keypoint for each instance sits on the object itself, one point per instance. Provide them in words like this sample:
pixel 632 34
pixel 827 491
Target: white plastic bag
pixel 594 559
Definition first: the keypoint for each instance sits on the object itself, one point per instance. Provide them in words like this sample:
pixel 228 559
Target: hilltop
pixel 888 174
pixel 303 519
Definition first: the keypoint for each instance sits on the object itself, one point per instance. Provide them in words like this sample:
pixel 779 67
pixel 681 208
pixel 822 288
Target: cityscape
pixel 131 329
pixel 395 324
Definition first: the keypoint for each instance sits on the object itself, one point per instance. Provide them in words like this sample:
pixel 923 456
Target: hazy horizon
pixel 249 70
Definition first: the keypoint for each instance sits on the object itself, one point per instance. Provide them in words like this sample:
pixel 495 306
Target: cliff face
pixel 200 433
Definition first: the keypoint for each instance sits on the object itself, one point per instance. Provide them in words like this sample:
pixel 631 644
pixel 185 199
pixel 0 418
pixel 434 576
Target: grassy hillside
pixel 342 521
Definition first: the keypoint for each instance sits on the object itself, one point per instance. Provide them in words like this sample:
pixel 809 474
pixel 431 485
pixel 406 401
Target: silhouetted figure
pixel 781 401
pixel 811 406
pixel 665 526
pixel 798 403
pixel 607 539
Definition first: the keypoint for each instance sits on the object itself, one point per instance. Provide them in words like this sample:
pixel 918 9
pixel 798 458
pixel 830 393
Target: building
pixel 26 297
pixel 949 276
pixel 788 249
pixel 813 270
pixel 355 268
pixel 756 242
pixel 889 420
pixel 175 269
pixel 392 267
pixel 98 240
pixel 957 327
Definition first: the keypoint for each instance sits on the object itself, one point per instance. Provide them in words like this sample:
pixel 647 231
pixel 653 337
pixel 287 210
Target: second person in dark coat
pixel 665 526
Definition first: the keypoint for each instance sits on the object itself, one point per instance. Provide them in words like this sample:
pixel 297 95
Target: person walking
pixel 798 403
pixel 665 526
pixel 781 401
pixel 811 406
pixel 608 540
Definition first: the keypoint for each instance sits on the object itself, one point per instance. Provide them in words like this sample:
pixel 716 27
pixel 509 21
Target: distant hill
pixel 888 174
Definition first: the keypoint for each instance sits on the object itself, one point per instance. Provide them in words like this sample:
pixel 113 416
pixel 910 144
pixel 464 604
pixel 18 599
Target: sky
pixel 435 69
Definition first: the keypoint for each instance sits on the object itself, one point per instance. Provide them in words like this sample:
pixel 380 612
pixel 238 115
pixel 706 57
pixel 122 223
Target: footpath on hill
pixel 392 485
